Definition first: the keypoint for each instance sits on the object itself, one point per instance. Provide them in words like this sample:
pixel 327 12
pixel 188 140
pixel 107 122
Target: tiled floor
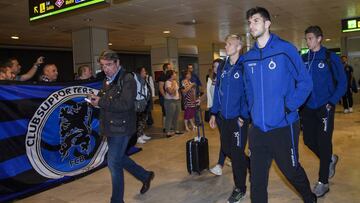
pixel 172 183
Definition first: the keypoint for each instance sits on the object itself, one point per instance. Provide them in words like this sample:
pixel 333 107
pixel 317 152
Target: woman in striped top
pixel 189 92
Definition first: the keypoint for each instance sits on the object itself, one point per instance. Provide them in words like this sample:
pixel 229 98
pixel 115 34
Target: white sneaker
pixel 140 141
pixel 346 110
pixel 217 170
pixel 144 137
pixel 350 109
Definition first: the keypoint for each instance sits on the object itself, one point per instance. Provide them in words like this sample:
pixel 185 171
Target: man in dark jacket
pixel 347 99
pixel 276 84
pixel 118 123
pixel 329 81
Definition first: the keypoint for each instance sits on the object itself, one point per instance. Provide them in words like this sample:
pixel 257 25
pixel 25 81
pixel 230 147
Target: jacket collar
pixel 227 64
pixel 322 49
pixel 271 40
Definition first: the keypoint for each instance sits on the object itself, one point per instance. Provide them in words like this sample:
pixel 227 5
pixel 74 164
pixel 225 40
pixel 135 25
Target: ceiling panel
pixel 132 22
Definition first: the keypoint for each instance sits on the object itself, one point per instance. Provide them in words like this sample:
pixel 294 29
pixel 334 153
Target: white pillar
pixel 207 53
pixel 87 45
pixel 164 50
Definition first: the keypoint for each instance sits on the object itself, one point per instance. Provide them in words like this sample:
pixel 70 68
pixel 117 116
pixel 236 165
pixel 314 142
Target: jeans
pixel 117 161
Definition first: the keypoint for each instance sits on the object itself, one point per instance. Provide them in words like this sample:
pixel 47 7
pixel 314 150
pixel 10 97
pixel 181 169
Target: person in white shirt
pixel 172 103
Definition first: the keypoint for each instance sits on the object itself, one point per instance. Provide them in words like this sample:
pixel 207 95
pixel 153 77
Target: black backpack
pixel 142 93
pixel 328 62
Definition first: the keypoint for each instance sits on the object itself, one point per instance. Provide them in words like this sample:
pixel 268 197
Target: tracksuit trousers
pixel 280 144
pixel 318 126
pixel 233 141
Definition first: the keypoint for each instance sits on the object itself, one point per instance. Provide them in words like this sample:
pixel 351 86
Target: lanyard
pixel 310 63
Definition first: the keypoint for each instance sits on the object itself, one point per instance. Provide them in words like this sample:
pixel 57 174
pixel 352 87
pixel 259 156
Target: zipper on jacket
pixel 262 90
pixel 227 94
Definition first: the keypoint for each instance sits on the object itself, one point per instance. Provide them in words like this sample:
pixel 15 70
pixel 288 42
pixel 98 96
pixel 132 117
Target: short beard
pixel 260 35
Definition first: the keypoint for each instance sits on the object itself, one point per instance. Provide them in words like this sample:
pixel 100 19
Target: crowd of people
pixel 273 82
pixel 254 99
pixel 10 69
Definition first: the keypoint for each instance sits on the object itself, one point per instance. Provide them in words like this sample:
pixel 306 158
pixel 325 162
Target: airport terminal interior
pixel 149 33
pixel 172 183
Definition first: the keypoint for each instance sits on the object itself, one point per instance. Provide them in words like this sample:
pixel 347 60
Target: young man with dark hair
pixel 329 81
pixel 276 84
pixel 230 114
pixel 195 79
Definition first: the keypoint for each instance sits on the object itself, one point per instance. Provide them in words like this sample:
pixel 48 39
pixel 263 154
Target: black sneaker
pixel 236 196
pixel 314 199
pixel 146 183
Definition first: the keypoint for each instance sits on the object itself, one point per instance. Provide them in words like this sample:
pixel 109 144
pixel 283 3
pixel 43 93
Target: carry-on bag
pixel 197 150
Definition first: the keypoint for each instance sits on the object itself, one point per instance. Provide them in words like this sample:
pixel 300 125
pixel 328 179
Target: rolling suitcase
pixel 197 150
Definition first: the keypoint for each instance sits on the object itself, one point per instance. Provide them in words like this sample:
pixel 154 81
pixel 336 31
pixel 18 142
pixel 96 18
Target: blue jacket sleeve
pixel 340 77
pixel 216 100
pixel 303 81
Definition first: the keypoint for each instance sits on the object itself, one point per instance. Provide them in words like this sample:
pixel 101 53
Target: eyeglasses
pixel 107 65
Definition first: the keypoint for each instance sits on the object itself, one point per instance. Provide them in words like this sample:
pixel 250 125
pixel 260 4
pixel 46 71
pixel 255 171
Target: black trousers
pixel 233 141
pixel 318 126
pixel 280 144
pixel 347 99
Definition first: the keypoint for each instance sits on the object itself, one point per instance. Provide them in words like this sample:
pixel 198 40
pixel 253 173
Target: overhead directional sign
pixel 39 9
pixel 350 25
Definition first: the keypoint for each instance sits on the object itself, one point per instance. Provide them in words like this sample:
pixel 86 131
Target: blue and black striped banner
pixel 48 134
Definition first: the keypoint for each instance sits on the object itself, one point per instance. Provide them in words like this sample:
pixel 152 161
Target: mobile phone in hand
pixel 87 100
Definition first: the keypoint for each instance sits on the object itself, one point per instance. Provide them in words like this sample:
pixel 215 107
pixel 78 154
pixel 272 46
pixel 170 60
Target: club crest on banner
pixel 62 137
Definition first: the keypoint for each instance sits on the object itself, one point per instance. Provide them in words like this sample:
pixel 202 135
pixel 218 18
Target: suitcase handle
pixel 200 123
